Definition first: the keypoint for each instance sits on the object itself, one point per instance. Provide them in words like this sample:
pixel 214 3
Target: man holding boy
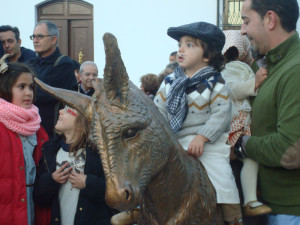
pixel 270 26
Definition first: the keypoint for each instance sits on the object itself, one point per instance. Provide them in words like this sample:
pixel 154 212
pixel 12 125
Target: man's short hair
pixel 76 65
pixel 287 11
pixel 51 27
pixel 173 53
pixel 15 30
pixel 150 83
pixel 84 64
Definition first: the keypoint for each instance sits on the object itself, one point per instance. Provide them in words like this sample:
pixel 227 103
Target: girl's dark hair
pixel 231 54
pixel 10 77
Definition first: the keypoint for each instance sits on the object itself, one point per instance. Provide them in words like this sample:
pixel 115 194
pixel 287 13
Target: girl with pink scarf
pixel 21 138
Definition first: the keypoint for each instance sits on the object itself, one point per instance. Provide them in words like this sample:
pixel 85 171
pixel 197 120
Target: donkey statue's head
pixel 142 159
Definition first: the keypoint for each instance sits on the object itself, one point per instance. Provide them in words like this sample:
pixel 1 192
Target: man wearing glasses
pixel 52 68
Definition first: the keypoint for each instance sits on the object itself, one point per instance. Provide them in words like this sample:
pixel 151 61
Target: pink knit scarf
pixel 17 119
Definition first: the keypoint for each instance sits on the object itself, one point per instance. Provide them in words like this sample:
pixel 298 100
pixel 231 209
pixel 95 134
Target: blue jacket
pixel 91 206
pixel 61 76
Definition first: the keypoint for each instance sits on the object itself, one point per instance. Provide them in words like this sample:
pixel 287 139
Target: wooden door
pixel 74 19
pixel 81 42
pixel 63 39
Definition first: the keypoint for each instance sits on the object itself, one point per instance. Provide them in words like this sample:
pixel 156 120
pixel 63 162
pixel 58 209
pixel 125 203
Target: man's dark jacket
pixel 89 93
pixel 1 50
pixel 27 55
pixel 91 206
pixel 61 76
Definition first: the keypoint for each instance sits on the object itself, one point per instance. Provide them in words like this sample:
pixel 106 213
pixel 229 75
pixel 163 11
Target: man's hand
pixel 291 158
pixel 62 174
pixel 77 179
pixel 197 145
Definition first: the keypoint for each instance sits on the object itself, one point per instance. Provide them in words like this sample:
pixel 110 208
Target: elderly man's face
pixel 10 45
pixel 89 74
pixel 46 45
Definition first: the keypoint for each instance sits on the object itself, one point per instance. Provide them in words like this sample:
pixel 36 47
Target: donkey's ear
pixel 115 74
pixel 78 101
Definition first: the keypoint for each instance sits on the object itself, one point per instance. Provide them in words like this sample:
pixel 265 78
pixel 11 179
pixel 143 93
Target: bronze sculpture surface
pixel 143 162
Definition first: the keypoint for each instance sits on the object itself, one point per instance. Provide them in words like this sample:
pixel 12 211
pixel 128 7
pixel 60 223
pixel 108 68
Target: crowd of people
pixel 227 95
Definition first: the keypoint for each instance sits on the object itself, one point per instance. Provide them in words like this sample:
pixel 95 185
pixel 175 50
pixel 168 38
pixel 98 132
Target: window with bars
pixel 229 14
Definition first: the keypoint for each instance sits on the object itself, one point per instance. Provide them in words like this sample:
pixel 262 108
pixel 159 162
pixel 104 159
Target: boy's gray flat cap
pixel 207 32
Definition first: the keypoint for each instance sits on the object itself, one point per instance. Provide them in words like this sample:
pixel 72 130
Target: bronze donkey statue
pixel 143 162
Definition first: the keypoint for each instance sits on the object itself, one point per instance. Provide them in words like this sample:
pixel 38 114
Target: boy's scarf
pixel 17 119
pixel 177 105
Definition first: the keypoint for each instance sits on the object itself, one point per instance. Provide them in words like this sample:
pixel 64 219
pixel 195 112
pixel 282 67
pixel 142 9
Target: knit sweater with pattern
pixel 209 107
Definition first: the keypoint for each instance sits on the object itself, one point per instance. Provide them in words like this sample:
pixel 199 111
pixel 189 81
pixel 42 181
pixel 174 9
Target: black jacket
pixel 26 55
pixel 61 76
pixel 89 93
pixel 91 207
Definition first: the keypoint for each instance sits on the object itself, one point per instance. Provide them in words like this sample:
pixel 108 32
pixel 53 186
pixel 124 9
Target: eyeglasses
pixel 88 74
pixel 70 110
pixel 39 36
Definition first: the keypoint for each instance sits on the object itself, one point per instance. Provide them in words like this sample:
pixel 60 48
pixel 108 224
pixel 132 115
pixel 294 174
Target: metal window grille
pixel 229 14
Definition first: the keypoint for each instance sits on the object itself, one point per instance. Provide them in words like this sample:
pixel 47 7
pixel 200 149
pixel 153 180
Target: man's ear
pixel 271 19
pixel 19 41
pixel 54 40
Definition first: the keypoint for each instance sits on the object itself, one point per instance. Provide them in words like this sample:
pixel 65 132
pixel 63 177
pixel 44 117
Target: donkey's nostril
pixel 127 193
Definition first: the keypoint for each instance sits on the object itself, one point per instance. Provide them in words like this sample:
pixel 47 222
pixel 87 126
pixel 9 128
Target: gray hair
pixel 51 27
pixel 84 64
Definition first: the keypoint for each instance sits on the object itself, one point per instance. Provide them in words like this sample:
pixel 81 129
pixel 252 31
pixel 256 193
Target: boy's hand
pixel 77 179
pixel 260 76
pixel 62 174
pixel 197 145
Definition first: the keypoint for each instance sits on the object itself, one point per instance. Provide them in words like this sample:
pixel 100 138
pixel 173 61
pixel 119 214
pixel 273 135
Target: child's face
pixel 22 91
pixel 190 55
pixel 66 120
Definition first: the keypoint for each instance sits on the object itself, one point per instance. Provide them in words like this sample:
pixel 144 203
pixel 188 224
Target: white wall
pixel 139 25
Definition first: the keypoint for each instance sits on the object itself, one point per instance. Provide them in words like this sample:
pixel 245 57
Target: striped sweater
pixel 209 108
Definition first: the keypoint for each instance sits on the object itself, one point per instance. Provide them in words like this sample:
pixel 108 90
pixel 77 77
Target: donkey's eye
pixel 130 133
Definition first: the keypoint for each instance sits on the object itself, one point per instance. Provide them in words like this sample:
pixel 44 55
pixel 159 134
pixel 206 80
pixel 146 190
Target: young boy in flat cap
pixel 196 103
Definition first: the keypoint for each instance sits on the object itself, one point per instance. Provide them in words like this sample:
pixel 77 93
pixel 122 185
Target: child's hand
pixel 260 76
pixel 62 174
pixel 77 179
pixel 197 145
